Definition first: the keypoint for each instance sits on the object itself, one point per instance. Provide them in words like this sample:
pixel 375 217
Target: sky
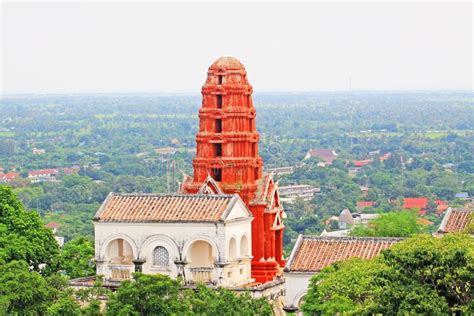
pixel 149 47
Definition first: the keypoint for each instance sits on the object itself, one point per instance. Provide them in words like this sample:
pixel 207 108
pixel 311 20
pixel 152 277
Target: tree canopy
pixel 160 295
pixel 76 257
pixel 23 235
pixel 394 224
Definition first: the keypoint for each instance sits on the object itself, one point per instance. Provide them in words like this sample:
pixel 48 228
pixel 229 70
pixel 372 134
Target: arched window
pixel 161 257
pixel 232 249
pixel 244 246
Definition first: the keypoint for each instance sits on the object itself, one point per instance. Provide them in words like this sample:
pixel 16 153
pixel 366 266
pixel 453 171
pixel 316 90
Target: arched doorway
pixel 119 255
pixel 201 261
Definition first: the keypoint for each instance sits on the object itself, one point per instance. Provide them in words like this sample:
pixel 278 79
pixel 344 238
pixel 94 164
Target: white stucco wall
pixel 296 284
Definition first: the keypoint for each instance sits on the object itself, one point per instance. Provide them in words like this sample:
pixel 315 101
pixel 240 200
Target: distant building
pixel 348 219
pixel 441 207
pixel 7 177
pixel 353 171
pixel 290 193
pixel 37 151
pixel 361 163
pixel 345 219
pixel 416 203
pixel 364 190
pixel 71 170
pixel 456 220
pixel 50 175
pixel 43 175
pixel 327 155
pixel 462 195
pixel 166 151
pixel 280 171
pixel 360 205
pixel 311 254
pixel 321 164
pixel 448 165
pixel 385 157
pixel 55 227
pixel 336 233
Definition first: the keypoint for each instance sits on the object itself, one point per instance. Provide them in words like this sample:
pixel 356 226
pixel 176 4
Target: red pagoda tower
pixel 227 161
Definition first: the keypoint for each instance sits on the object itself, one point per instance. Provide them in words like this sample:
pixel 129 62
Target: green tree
pixel 23 235
pixel 23 292
pixel 393 224
pixel 147 295
pixel 160 295
pixel 207 301
pixel 76 257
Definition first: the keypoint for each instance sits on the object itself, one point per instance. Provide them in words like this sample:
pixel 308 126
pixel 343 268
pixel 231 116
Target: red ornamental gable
pixel 227 156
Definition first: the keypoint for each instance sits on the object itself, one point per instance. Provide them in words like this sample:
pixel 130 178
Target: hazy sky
pixel 163 47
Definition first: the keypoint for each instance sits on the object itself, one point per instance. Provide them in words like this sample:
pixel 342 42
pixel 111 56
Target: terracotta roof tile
pixel 328 155
pixel 361 163
pixel 365 203
pixel 420 203
pixel 164 207
pixel 456 220
pixel 311 253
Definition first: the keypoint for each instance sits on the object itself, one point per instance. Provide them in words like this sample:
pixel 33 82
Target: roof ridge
pixel 350 237
pixel 173 195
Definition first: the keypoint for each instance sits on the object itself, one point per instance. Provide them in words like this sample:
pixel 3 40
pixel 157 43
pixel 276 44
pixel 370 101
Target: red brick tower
pixel 227 160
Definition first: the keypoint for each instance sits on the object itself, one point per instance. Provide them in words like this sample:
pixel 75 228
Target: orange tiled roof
pixel 456 220
pixel 312 253
pixel 328 155
pixel 140 207
pixel 420 203
pixel 441 206
pixel 365 203
pixel 361 163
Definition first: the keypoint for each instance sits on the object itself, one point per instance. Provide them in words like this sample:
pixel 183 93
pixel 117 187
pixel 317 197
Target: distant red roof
pixel 441 206
pixel 5 177
pixel 421 203
pixel 365 203
pixel 328 155
pixel 385 157
pixel 71 170
pixel 53 225
pixel 361 163
pixel 422 212
pixel 43 172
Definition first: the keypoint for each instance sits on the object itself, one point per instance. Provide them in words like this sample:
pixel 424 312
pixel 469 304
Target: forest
pixel 112 141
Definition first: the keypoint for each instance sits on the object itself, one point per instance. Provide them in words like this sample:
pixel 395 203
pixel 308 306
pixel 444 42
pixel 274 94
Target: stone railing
pixel 201 274
pixel 120 272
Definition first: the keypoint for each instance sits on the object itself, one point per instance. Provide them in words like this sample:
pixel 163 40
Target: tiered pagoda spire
pixel 227 157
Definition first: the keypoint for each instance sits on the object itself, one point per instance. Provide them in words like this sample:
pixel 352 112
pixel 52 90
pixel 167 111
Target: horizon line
pixel 254 93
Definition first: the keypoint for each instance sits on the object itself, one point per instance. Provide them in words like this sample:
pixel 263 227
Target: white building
pixel 204 238
pixel 311 254
pixel 290 193
pixel 347 219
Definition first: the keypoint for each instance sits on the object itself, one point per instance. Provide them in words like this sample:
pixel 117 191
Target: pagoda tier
pixel 227 153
